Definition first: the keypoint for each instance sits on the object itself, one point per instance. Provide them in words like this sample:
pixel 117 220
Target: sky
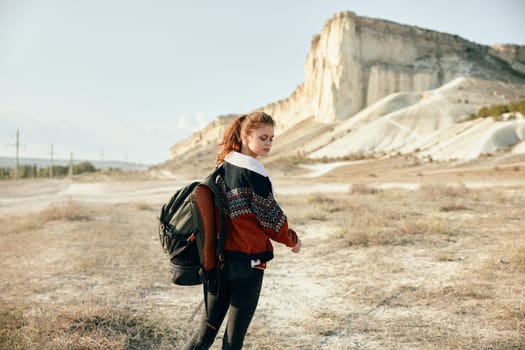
pixel 127 79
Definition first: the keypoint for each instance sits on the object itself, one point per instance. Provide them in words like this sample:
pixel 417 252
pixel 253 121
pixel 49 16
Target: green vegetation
pixel 496 111
pixel 33 171
pixel 301 158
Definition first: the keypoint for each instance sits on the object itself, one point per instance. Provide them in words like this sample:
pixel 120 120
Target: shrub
pixel 496 111
pixel 84 167
pixel 68 211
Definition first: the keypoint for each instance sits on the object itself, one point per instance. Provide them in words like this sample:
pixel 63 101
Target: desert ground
pixel 398 254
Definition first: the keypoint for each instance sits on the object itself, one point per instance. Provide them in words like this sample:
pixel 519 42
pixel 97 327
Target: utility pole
pixel 71 165
pixel 17 145
pixel 51 167
pixel 17 153
pixel 102 159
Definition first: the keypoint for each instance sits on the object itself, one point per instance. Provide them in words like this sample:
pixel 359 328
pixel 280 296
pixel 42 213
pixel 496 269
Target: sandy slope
pixel 431 123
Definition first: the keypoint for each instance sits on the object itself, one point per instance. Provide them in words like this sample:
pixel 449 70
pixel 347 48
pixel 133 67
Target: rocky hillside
pixel 377 87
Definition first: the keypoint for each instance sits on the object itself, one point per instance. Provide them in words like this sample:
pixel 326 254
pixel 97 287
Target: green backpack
pixel 192 231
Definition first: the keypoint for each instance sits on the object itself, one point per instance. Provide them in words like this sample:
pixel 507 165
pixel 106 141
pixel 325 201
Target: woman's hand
pixel 297 247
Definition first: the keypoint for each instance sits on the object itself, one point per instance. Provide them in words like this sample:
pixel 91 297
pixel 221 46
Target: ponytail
pixel 232 138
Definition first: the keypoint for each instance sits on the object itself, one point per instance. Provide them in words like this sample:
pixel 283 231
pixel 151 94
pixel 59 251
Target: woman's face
pixel 258 142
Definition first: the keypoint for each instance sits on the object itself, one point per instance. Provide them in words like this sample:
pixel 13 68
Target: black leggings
pixel 238 292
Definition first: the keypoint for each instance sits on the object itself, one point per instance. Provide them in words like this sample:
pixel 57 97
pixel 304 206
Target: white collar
pixel 247 162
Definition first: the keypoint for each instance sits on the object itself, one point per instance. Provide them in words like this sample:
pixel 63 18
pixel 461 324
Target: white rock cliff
pixel 357 61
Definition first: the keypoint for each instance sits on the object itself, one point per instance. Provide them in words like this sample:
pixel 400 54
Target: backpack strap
pixel 208 201
pixel 211 182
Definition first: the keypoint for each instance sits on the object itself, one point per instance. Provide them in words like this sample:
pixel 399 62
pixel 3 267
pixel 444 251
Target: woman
pixel 253 217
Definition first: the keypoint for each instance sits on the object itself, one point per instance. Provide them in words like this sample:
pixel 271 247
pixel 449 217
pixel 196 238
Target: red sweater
pixel 253 217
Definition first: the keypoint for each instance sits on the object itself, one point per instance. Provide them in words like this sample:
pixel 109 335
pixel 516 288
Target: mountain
pixel 374 87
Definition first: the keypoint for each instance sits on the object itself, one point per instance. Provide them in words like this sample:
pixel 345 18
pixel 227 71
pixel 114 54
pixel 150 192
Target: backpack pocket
pixel 186 274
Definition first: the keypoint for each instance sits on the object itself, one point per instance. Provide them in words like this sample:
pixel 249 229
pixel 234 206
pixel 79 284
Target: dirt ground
pixel 398 254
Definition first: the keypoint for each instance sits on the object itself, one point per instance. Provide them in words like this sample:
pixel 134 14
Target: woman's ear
pixel 244 137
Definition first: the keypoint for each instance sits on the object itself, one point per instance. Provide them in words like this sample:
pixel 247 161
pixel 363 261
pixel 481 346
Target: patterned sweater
pixel 253 217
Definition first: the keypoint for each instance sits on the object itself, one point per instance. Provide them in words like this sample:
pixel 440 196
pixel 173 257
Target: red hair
pixel 232 139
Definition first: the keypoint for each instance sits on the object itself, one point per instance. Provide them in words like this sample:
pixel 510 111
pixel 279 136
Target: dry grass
pixel 83 327
pixel 65 211
pixel 68 211
pixel 431 225
pixel 437 268
pixel 364 189
pixel 518 259
pixel 89 277
pixel 413 238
